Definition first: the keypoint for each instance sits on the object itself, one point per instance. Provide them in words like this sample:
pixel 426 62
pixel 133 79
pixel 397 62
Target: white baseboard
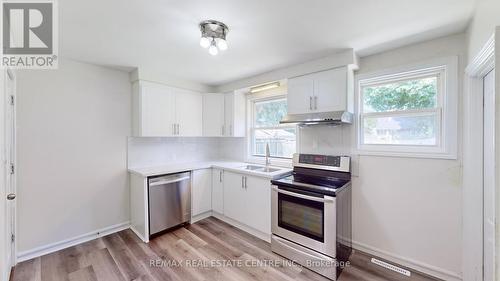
pixel 412 264
pixel 201 216
pixel 144 239
pixel 54 247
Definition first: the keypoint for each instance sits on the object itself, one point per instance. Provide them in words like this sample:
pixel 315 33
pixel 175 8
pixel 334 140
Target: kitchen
pixel 201 145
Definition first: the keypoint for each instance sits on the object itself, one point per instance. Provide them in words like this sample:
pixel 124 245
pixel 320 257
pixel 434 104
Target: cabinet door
pixel 258 213
pixel 218 191
pixel 229 114
pixel 157 110
pixel 300 93
pixel 235 114
pixel 213 115
pixel 189 113
pixel 201 191
pixel 330 90
pixel 234 197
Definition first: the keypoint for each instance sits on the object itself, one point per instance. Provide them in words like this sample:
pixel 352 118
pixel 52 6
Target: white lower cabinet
pixel 247 199
pixel 218 191
pixel 234 196
pixel 201 191
pixel 258 208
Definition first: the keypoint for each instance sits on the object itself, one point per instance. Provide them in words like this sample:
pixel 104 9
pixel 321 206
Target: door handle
pixel 11 196
pixel 310 102
pixel 315 102
pixel 157 183
pixel 312 198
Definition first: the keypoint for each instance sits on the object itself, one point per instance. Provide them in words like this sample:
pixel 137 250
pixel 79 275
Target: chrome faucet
pixel 268 154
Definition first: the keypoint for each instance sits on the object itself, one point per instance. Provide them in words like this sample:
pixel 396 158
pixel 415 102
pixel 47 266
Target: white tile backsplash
pixel 146 152
pixel 325 139
pixel 232 149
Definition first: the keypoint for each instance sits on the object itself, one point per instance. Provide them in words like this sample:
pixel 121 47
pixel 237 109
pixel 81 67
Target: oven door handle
pixel 298 195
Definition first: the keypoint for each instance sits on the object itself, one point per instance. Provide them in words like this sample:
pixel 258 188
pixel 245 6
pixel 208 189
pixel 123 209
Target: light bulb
pixel 204 42
pixel 222 44
pixel 213 49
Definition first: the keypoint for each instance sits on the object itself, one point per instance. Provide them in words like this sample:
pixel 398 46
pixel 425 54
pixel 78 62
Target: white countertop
pixel 225 165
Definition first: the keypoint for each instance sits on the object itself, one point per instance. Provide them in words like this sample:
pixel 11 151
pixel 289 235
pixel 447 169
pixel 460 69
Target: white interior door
pixel 489 178
pixel 8 204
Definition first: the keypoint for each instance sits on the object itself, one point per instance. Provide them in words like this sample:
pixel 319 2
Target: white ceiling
pixel 162 36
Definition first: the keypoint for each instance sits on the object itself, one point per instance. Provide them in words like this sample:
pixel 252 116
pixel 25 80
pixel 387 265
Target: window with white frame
pixel 411 112
pixel 265 128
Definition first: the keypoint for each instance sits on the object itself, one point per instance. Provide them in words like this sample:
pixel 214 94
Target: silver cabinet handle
pixel 312 198
pixel 11 196
pixel 178 128
pixel 220 176
pixel 310 102
pixel 230 130
pixel 246 183
pixel 242 180
pixel 315 102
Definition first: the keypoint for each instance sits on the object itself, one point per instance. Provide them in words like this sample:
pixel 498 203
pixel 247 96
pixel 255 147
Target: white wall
pixel 404 209
pixel 72 128
pixel 335 60
pixel 486 17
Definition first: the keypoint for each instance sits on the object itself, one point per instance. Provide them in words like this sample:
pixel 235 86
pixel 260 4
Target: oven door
pixel 306 218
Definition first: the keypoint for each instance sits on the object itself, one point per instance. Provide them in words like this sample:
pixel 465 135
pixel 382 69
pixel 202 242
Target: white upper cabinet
pixel 330 90
pixel 189 113
pixel 300 94
pixel 153 112
pixel 213 115
pixel 163 111
pixel 319 92
pixel 235 112
pixel 224 115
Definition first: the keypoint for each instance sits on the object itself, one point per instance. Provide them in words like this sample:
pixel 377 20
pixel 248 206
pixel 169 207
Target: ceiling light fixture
pixel 213 36
pixel 264 87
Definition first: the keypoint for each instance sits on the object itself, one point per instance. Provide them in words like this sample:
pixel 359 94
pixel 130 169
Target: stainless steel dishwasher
pixel 169 201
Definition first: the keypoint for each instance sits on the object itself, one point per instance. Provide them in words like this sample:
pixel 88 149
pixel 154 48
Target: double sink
pixel 259 168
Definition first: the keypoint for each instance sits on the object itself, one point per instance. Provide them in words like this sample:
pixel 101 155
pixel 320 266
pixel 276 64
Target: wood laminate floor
pixel 207 250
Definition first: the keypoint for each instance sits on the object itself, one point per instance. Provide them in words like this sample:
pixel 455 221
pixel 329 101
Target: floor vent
pixel 391 267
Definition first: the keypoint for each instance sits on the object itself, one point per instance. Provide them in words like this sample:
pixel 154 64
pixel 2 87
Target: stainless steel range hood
pixel 319 118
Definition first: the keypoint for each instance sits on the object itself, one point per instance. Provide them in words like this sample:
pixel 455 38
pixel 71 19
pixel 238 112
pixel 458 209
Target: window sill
pixel 424 155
